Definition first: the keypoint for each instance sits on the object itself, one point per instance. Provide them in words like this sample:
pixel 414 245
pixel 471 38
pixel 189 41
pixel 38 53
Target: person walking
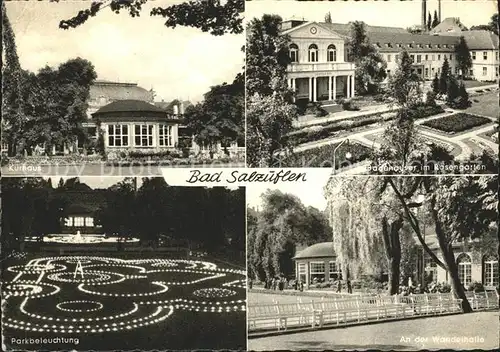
pixel 349 287
pixel 339 286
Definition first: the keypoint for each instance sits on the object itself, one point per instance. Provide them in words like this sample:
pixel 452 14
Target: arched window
pixel 294 53
pixel 332 53
pixel 490 270
pixel 464 269
pixel 313 53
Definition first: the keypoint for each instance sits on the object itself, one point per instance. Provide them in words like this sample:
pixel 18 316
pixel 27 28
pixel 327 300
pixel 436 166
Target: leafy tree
pixel 464 58
pixel 370 66
pixel 429 21
pixel 269 119
pixel 460 207
pixel 458 97
pixel 435 21
pixel 444 77
pixel 328 17
pixel 274 232
pixel 404 84
pixel 220 117
pixel 267 58
pixel 435 84
pixel 12 81
pixel 492 26
pixel 207 15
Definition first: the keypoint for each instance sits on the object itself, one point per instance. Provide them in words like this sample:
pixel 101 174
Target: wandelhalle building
pixel 318 263
pixel 321 70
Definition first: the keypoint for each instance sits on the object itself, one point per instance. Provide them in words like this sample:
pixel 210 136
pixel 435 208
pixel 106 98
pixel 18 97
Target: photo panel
pixel 122 88
pixel 113 263
pixel 373 263
pixel 370 87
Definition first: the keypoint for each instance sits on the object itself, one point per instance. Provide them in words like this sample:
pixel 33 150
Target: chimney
pixel 439 10
pixel 176 110
pixel 424 14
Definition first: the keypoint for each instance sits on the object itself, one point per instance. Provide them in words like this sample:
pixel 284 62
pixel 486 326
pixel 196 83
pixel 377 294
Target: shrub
pixel 457 122
pixel 476 287
pixel 348 105
pixel 430 98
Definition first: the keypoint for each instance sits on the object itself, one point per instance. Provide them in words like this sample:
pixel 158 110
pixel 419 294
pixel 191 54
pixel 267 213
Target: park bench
pixel 313 312
pixel 261 313
pixel 482 300
pixel 289 311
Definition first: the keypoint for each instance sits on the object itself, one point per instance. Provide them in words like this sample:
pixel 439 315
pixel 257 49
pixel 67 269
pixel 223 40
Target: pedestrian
pixel 250 284
pixel 349 287
pixel 339 286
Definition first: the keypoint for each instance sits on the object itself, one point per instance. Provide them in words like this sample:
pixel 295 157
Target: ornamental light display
pixel 115 294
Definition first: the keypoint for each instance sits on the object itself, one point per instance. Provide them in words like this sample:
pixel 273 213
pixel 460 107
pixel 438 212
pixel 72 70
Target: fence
pixel 359 309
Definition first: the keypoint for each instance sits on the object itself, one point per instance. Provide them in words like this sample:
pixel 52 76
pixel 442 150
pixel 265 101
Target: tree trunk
pixel 390 234
pixel 394 273
pixel 449 259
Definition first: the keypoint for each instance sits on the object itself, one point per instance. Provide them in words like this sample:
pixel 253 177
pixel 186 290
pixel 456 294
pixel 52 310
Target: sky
pixel 309 192
pixel 392 13
pixel 178 63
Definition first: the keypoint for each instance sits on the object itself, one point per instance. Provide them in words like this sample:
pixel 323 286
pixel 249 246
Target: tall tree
pixel 444 77
pixel 13 118
pixel 328 17
pixel 269 119
pixel 435 21
pixel 209 16
pixel 435 84
pixel 404 84
pixel 429 22
pixel 370 66
pixel 220 117
pixel 464 58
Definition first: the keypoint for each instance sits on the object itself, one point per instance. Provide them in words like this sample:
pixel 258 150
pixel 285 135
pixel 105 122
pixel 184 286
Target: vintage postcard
pixel 367 87
pixel 109 263
pixel 121 87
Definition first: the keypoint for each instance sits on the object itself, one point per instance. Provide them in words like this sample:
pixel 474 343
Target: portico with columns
pixel 318 70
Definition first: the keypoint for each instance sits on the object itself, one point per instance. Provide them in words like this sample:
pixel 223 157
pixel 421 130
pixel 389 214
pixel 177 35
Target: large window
pixel 294 53
pixel 485 71
pixel 89 222
pixel 332 53
pixel 464 269
pixel 78 221
pixel 335 272
pixel 490 271
pixel 302 272
pixel 317 272
pixel 313 53
pixel 68 222
pixel 419 58
pixel 389 57
pixel 473 55
pixel 118 135
pixel 144 135
pixel 165 136
pixel 485 55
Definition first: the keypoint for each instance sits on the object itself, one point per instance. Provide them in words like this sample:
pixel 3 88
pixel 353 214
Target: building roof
pixel 318 250
pixel 449 25
pixel 129 105
pixel 119 91
pixel 342 28
pixel 413 42
pixel 477 39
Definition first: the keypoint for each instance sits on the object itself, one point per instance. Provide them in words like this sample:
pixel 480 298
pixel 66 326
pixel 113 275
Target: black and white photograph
pixel 121 87
pixel 373 87
pixel 362 262
pixel 109 263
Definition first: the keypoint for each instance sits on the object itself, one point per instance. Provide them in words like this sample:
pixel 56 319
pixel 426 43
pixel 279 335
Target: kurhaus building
pixel 320 68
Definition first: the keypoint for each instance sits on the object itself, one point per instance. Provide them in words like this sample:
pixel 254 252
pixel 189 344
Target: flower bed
pixel 323 131
pixel 323 156
pixel 457 123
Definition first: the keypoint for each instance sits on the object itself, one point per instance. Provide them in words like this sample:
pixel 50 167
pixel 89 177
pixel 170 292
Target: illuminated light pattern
pixel 97 304
pixel 214 292
pixel 97 316
pixel 83 238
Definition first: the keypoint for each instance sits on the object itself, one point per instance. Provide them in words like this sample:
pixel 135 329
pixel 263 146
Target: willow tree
pixel 366 224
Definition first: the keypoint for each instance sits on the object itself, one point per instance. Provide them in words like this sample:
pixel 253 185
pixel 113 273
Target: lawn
pixel 473 83
pixel 323 156
pixel 485 105
pixel 120 304
pixel 457 122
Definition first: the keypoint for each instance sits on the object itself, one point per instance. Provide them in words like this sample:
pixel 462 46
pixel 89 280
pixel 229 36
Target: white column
pixel 329 87
pixel 334 87
pixel 315 88
pixel 352 86
pixel 294 89
pixel 348 90
pixel 289 83
pixel 310 88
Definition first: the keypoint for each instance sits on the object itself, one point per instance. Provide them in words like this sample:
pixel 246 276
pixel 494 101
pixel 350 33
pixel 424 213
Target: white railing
pixel 359 309
pixel 320 66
